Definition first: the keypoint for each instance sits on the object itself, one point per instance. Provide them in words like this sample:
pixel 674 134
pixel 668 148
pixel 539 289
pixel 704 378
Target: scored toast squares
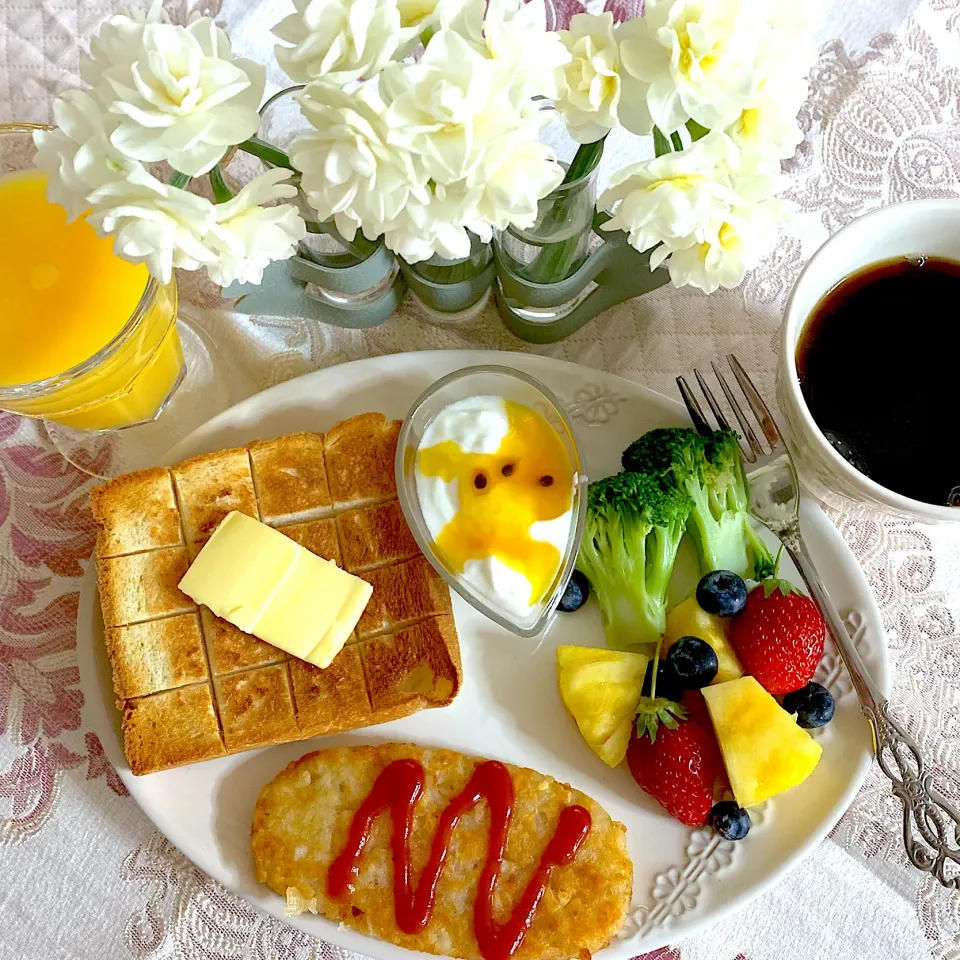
pixel 136 512
pixel 192 686
pixel 359 455
pixel 290 478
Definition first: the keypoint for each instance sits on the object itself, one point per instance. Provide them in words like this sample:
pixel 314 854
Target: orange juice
pixel 90 336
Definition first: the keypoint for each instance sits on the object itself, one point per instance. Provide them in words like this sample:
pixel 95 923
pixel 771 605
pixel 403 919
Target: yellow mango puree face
pixel 64 294
pixel 501 495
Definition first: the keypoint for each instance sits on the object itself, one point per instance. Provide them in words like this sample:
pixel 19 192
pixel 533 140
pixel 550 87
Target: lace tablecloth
pixel 83 874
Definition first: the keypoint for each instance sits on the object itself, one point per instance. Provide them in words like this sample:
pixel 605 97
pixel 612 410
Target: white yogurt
pixel 478 425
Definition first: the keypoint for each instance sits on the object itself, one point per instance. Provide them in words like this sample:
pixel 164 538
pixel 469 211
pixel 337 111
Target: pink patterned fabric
pixel 83 874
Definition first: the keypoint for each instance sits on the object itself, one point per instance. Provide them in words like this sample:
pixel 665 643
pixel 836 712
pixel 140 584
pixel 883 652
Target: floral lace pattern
pixel 881 125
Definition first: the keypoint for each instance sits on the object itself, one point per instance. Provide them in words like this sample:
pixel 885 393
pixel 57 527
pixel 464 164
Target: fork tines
pixel 749 392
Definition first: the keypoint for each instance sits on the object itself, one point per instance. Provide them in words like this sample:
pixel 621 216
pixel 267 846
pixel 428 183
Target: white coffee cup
pixel 916 228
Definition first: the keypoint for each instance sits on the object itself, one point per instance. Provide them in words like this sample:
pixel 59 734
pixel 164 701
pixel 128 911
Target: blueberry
pixel 576 593
pixel 722 593
pixel 668 683
pixel 730 820
pixel 694 661
pixel 813 705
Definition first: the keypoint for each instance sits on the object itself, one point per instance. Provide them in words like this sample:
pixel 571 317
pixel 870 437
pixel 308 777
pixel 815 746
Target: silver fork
pixel 931 825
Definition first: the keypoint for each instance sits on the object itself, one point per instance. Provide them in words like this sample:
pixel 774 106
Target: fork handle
pixel 931 825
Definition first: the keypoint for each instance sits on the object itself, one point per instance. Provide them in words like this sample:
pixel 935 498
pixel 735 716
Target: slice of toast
pixel 192 686
pixel 359 455
pixel 375 536
pixel 136 512
pixel 290 478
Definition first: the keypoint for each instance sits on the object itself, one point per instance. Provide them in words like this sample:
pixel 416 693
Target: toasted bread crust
pixel 301 820
pixel 159 643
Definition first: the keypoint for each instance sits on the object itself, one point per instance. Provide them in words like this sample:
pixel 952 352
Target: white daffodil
pixel 349 171
pixel 673 198
pixel 517 172
pixel 341 40
pixel 768 130
pixel 420 19
pixel 731 246
pixel 532 57
pixel 119 41
pixel 154 223
pixel 180 94
pixel 248 233
pixel 591 95
pixel 436 226
pixel 77 155
pixel 695 59
pixel 447 107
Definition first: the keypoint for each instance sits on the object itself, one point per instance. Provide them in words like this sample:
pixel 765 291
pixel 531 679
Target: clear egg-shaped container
pixel 469 499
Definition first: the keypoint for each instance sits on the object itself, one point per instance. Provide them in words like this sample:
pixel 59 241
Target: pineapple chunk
pixel 689 619
pixel 602 688
pixel 764 750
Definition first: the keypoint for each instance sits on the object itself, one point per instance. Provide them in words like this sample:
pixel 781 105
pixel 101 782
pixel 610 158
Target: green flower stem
pixel 556 261
pixel 697 132
pixel 264 151
pixel 221 192
pixel 676 141
pixel 178 180
pixel 661 144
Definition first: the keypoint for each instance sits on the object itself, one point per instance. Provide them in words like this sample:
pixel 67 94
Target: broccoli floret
pixel 709 470
pixel 633 529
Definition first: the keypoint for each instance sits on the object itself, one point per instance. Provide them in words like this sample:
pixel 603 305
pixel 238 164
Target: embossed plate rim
pixel 204 809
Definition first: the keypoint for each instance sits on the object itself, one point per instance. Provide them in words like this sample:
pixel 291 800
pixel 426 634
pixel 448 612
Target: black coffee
pixel 880 370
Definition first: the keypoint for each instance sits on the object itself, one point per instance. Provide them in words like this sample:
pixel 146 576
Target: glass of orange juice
pixel 88 341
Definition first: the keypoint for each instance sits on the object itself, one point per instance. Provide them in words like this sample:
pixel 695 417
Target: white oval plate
pixel 509 707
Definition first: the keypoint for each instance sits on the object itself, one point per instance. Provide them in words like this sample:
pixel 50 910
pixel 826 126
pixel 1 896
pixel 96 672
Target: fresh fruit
pixel 764 750
pixel 668 683
pixel 730 820
pixel 576 593
pixel 694 662
pixel 678 769
pixel 722 593
pixel 779 636
pixel 696 707
pixel 601 688
pixel 689 619
pixel 813 705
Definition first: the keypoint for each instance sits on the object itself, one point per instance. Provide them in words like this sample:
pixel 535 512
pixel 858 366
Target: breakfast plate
pixel 509 707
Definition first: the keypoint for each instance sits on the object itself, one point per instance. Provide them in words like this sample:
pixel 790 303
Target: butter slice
pixel 268 585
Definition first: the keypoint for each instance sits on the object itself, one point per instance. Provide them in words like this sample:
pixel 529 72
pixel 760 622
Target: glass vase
pixel 453 292
pixel 558 242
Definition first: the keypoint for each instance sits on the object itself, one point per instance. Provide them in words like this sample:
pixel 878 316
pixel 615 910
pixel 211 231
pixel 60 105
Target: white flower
pixel 436 226
pixel 341 40
pixel 118 41
pixel 768 130
pixel 695 59
pixel 77 155
pixel 516 173
pixel 154 223
pixel 349 171
pixel 419 19
pixel 733 245
pixel 247 235
pixel 592 92
pixel 668 199
pixel 447 107
pixel 704 211
pixel 515 33
pixel 179 93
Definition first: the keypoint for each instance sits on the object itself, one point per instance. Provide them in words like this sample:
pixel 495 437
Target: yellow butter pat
pixel 266 584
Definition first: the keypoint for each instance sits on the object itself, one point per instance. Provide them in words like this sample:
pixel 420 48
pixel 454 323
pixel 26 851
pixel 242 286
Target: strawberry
pixel 779 636
pixel 678 769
